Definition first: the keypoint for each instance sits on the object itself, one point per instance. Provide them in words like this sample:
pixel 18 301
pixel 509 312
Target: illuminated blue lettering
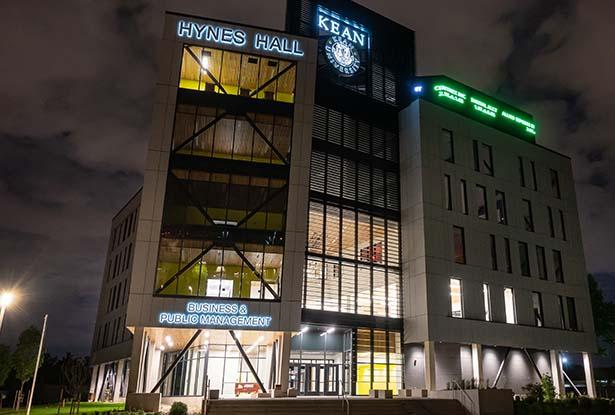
pixel 277 44
pixel 336 25
pixel 210 33
pixel 214 314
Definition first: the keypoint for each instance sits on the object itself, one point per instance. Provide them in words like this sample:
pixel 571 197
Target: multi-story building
pixel 316 217
pixel 112 342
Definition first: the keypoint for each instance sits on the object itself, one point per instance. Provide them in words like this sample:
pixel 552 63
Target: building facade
pixel 316 217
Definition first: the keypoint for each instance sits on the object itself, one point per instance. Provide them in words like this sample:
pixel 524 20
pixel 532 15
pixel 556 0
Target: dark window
pixel 481 202
pixel 528 219
pixel 572 314
pixel 562 224
pixel 483 158
pixel 500 206
pixel 524 259
pixel 562 314
pixel 537 304
pixel 460 245
pixel 448 146
pixel 448 202
pixel 464 197
pixel 557 265
pixel 551 225
pixel 494 253
pixel 521 172
pixel 117 297
pixel 534 181
pixel 507 255
pixel 542 263
pixel 555 184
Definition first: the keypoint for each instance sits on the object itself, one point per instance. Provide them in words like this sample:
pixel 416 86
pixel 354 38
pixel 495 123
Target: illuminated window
pixel 500 207
pixel 494 253
pixel 456 298
pixel 537 305
pixel 234 73
pixel 509 306
pixel 555 184
pixel 481 202
pixel 557 265
pixel 508 263
pixel 459 245
pixel 542 263
pixel 487 302
pixel 464 197
pixel 524 259
pixel 448 147
pixel 528 219
pixel 448 202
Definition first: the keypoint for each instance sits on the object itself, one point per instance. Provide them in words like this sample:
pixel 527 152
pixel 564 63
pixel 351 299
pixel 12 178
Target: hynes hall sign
pixel 239 38
pixel 214 315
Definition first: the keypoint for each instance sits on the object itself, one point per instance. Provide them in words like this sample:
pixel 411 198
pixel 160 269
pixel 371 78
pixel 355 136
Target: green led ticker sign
pixel 482 108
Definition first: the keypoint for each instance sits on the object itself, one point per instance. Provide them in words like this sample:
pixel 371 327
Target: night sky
pixel 76 95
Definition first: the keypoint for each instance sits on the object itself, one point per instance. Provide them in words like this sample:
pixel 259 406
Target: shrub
pixel 178 408
pixel 548 390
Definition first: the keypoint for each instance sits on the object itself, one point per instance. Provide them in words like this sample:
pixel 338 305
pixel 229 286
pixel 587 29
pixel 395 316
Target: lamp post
pixel 38 362
pixel 6 299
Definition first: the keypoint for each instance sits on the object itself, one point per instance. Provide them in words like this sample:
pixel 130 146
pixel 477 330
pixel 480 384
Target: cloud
pixel 77 86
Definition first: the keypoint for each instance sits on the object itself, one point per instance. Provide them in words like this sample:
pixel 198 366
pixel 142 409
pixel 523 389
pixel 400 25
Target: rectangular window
pixel 476 157
pixel 464 197
pixel 500 207
pixel 542 263
pixel 555 184
pixel 481 202
pixel 572 314
pixel 456 298
pixel 509 305
pixel 551 225
pixel 487 302
pixel 524 259
pixel 507 255
pixel 521 172
pixel 562 224
pixel 448 202
pixel 562 313
pixel 557 265
pixel 484 156
pixel 537 304
pixel 460 245
pixel 448 147
pixel 494 253
pixel 534 181
pixel 528 219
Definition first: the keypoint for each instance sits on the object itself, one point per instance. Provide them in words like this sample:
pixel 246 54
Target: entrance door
pixel 315 379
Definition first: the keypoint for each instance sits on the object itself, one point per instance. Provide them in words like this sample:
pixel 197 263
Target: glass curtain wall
pixel 379 360
pixel 226 197
pixel 353 225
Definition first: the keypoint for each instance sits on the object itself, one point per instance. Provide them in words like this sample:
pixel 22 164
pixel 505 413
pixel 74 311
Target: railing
pixel 462 396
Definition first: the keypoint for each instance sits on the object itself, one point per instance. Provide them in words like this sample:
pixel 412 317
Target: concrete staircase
pixel 335 406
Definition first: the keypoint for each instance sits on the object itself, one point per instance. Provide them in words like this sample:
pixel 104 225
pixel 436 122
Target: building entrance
pixel 315 378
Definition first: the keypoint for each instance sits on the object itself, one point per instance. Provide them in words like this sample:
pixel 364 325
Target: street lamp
pixel 6 299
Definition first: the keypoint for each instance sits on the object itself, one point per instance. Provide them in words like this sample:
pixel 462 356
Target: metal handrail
pixel 465 394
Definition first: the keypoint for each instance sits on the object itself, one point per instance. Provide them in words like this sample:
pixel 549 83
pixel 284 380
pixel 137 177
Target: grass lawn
pixel 85 408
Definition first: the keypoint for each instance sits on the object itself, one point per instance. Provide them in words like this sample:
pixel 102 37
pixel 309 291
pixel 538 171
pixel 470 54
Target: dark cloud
pixel 77 91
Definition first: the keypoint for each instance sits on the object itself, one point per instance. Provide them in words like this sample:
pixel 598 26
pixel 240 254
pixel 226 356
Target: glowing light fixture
pixel 329 331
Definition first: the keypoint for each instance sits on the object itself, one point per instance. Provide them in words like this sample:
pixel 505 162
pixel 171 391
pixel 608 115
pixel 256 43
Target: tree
pixel 75 374
pixel 24 358
pixel 603 312
pixel 5 363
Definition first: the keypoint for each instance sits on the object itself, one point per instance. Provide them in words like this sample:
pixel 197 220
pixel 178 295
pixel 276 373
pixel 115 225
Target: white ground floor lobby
pixel 188 364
